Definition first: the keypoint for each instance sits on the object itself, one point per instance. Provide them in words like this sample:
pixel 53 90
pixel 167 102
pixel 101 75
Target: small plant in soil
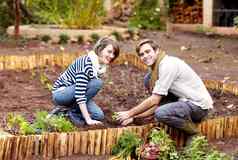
pixel 63 39
pixel 127 145
pixel 17 124
pixel 95 37
pixel 80 39
pixel 117 35
pixel 45 38
pixel 45 81
pixel 236 22
pixel 114 116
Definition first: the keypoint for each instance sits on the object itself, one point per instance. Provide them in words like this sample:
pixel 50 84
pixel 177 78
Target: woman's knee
pixel 95 84
pixel 98 115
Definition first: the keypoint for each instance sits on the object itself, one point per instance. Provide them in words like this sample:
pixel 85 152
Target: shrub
pixel 236 22
pixel 117 35
pixel 63 38
pixel 95 37
pixel 46 38
pixel 146 15
pixel 17 124
pixel 69 13
pixel 80 39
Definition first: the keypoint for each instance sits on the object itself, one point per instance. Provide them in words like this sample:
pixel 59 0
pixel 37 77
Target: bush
pixel 6 18
pixel 17 124
pixel 236 22
pixel 146 15
pixel 95 37
pixel 63 39
pixel 46 38
pixel 117 35
pixel 80 39
pixel 69 13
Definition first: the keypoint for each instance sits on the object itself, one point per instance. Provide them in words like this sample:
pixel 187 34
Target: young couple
pixel 81 81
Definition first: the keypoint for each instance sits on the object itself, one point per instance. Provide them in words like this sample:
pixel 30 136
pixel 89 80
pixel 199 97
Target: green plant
pixel 117 35
pixel 80 39
pixel 18 124
pixel 166 144
pixel 200 150
pixel 146 15
pixel 202 29
pixel 236 22
pixel 63 38
pixel 126 145
pixel 95 37
pixel 46 38
pixel 114 116
pixel 45 80
pixel 68 13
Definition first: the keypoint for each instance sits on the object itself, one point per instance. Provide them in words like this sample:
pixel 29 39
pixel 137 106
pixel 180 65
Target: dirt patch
pixel 229 146
pixel 22 92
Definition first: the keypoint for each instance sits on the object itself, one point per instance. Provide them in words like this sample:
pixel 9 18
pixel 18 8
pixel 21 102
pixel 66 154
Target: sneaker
pixel 76 118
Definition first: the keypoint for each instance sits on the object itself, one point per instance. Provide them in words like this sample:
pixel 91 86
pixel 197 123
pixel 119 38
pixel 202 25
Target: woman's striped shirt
pixel 80 72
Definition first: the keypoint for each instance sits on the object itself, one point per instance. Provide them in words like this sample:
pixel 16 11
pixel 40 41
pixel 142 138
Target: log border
pixel 100 141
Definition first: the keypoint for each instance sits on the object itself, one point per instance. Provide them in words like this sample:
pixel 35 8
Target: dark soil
pixel 22 92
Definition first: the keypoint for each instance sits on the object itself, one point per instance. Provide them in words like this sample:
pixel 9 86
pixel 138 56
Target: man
pixel 170 74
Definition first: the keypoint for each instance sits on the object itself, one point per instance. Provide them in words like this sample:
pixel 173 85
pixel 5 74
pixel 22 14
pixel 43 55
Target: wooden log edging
pixel 97 142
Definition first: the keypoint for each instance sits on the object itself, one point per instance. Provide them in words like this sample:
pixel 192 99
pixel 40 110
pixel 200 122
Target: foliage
pixel 126 145
pixel 200 150
pixel 5 17
pixel 45 81
pixel 202 29
pixel 236 21
pixel 166 144
pixel 114 116
pixel 80 39
pixel 68 13
pixel 146 15
pixel 63 38
pixel 95 37
pixel 117 35
pixel 46 38
pixel 17 124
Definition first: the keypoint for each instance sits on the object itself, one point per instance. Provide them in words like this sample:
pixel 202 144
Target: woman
pixel 80 82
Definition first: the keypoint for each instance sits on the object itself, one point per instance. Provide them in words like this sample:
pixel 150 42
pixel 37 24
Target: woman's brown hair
pixel 104 42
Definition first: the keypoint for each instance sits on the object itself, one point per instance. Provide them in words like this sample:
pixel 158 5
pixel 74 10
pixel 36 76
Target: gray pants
pixel 177 114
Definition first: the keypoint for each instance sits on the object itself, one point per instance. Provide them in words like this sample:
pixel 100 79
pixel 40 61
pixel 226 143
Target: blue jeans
pixel 65 97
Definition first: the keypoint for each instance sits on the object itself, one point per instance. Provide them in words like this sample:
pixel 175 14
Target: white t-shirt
pixel 179 78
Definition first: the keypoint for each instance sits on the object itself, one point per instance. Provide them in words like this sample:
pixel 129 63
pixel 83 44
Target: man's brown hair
pixel 145 41
pixel 104 42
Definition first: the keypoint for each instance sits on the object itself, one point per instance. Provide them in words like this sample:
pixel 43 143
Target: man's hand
pixel 127 121
pixel 93 122
pixel 122 116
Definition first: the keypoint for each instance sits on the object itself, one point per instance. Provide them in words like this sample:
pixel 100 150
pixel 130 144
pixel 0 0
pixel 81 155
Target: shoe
pixel 190 128
pixel 76 118
pixel 190 138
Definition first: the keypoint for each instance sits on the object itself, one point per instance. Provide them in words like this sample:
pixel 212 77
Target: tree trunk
pixel 17 18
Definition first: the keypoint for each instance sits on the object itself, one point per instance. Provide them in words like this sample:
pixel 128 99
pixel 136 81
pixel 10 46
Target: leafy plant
pixel 114 116
pixel 117 35
pixel 45 81
pixel 63 38
pixel 68 13
pixel 95 37
pixel 200 150
pixel 46 38
pixel 17 124
pixel 80 39
pixel 146 15
pixel 236 21
pixel 165 143
pixel 126 145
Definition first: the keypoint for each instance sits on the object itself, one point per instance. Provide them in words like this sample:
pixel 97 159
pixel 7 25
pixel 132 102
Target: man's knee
pixel 161 115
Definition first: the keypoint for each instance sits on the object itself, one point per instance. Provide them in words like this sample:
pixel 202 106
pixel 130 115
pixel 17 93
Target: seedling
pixel 114 116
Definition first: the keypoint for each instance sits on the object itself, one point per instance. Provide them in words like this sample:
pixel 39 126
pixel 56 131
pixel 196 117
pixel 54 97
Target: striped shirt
pixel 80 72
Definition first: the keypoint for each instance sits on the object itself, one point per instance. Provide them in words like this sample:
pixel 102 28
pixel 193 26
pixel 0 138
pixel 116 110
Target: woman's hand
pixel 93 122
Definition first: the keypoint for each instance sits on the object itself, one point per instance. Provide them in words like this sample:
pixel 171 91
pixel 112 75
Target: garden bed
pixel 22 92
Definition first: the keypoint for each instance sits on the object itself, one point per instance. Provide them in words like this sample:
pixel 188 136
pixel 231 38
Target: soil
pixel 22 92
